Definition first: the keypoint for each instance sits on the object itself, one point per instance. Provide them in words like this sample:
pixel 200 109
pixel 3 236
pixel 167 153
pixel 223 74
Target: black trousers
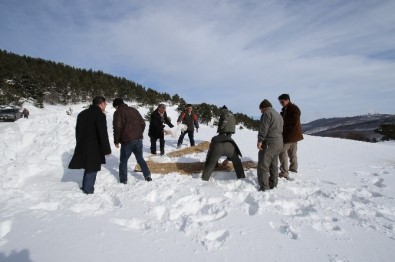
pixel 161 144
pixel 190 135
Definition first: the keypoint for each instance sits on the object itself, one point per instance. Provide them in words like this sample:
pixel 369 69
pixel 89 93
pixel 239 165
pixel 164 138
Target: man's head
pixel 117 102
pixel 100 101
pixel 188 108
pixel 264 105
pixel 161 108
pixel 284 99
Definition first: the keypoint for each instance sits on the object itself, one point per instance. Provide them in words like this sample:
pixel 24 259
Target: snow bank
pixel 340 207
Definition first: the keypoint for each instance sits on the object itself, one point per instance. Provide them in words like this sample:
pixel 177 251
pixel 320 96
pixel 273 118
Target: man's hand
pixel 117 145
pixel 259 145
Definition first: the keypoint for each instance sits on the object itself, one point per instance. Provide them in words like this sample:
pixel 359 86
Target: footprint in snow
pixel 132 223
pixel 379 183
pixel 215 239
pixel 286 229
pixel 252 205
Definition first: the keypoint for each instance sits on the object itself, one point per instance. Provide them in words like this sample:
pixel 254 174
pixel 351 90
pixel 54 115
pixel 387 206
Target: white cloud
pixel 335 58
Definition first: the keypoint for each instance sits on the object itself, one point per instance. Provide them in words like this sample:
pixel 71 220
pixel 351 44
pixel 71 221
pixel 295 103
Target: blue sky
pixel 334 58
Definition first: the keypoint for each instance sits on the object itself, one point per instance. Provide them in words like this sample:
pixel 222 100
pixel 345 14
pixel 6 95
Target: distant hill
pixel 358 127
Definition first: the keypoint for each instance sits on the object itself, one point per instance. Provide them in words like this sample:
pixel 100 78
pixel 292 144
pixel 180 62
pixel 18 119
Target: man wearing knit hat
pixel 270 144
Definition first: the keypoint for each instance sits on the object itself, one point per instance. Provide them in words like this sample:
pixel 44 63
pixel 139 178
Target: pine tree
pixel 387 131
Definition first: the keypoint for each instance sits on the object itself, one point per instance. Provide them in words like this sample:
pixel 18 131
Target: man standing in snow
pixel 128 126
pixel 92 144
pixel 156 128
pixel 270 144
pixel 222 145
pixel 292 133
pixel 226 122
pixel 25 113
pixel 190 119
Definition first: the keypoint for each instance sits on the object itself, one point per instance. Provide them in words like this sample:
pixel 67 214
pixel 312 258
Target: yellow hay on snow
pixel 188 168
pixel 202 147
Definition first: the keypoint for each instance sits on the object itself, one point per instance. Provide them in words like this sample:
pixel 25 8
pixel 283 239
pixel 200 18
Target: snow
pixel 340 206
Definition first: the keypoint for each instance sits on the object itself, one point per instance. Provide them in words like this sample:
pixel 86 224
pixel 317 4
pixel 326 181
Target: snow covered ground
pixel 340 207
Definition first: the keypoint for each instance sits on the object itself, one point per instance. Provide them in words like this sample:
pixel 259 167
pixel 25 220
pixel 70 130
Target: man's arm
pixel 117 127
pixel 293 116
pixel 167 121
pixel 101 128
pixel 180 118
pixel 196 121
pixel 264 126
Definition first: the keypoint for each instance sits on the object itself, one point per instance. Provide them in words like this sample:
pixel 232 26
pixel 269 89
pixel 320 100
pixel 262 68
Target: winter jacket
pixel 292 131
pixel 92 142
pixel 226 123
pixel 190 120
pixel 270 126
pixel 157 124
pixel 128 124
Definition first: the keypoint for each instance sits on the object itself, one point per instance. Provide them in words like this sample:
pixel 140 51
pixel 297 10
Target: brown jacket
pixel 292 131
pixel 128 124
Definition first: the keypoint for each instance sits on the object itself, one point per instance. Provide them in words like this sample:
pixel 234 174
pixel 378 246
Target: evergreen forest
pixel 39 81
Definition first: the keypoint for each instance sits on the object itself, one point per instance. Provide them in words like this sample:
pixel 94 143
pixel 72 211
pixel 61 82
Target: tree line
pixel 23 78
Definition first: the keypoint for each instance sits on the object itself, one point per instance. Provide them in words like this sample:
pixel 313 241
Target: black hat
pixel 265 103
pixel 224 107
pixel 284 97
pixel 117 102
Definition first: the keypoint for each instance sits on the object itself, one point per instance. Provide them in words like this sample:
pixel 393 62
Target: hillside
pixel 38 81
pixel 340 206
pixel 361 127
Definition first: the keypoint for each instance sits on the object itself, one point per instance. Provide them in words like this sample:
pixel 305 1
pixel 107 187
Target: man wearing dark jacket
pixel 128 126
pixel 92 143
pixel 292 133
pixel 190 119
pixel 270 144
pixel 156 128
pixel 222 145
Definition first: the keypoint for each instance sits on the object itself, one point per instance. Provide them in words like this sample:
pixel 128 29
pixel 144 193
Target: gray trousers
pixel 267 169
pixel 289 151
pixel 223 149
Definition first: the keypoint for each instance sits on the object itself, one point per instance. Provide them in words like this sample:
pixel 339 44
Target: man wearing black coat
pixel 92 144
pixel 222 145
pixel 156 128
